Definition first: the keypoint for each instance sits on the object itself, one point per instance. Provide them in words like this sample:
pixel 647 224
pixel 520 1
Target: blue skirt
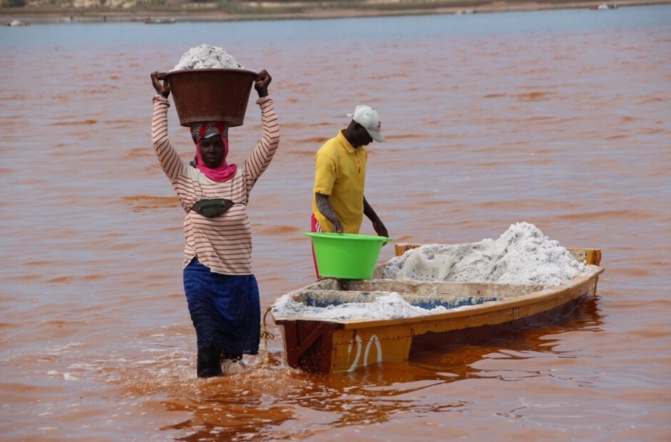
pixel 225 309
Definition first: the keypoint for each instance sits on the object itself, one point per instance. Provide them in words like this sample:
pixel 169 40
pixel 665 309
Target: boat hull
pixel 327 346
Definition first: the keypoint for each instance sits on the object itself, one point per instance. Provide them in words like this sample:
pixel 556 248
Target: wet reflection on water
pixel 269 400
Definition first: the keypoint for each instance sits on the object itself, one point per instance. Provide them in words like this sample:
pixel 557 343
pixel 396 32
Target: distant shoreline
pixel 46 15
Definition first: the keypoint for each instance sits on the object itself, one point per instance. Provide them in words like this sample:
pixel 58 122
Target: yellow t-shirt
pixel 340 173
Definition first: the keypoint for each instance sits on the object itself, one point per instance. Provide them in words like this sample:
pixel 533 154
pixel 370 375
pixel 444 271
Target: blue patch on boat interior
pixel 311 300
pixel 472 300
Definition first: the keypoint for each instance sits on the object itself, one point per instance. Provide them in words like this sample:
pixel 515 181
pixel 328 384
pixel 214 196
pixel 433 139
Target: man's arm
pixel 378 225
pixel 325 208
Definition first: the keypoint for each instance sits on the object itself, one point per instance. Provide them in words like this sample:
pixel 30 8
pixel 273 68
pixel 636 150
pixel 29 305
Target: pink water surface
pixel 565 129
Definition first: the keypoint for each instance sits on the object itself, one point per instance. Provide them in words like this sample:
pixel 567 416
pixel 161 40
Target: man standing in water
pixel 339 203
pixel 221 291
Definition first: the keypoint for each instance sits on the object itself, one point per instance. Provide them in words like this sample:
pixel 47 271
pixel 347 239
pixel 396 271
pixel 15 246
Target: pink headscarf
pixel 199 131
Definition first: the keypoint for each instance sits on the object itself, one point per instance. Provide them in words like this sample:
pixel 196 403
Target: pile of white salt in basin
pixel 205 56
pixel 522 255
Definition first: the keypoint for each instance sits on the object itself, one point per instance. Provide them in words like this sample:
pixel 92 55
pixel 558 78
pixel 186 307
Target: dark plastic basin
pixel 211 94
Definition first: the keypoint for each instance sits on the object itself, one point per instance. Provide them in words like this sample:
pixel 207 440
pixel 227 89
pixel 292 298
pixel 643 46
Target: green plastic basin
pixel 346 255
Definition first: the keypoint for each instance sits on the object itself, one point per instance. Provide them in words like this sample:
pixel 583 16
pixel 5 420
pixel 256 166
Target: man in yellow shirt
pixel 339 203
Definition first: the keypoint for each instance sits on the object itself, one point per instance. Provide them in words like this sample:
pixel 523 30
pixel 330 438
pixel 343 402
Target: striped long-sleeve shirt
pixel 224 243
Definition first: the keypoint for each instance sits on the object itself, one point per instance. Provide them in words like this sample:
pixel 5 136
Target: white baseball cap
pixel 370 120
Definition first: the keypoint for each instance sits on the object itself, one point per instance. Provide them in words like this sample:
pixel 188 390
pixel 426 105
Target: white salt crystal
pixel 522 255
pixel 388 306
pixel 206 56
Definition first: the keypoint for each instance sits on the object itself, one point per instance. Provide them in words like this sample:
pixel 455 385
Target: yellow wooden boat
pixel 474 311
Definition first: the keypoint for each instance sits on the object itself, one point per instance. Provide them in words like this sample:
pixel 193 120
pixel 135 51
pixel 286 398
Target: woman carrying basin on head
pixel 221 290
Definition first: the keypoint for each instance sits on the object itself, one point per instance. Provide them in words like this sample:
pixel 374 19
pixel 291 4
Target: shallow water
pixel 556 118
